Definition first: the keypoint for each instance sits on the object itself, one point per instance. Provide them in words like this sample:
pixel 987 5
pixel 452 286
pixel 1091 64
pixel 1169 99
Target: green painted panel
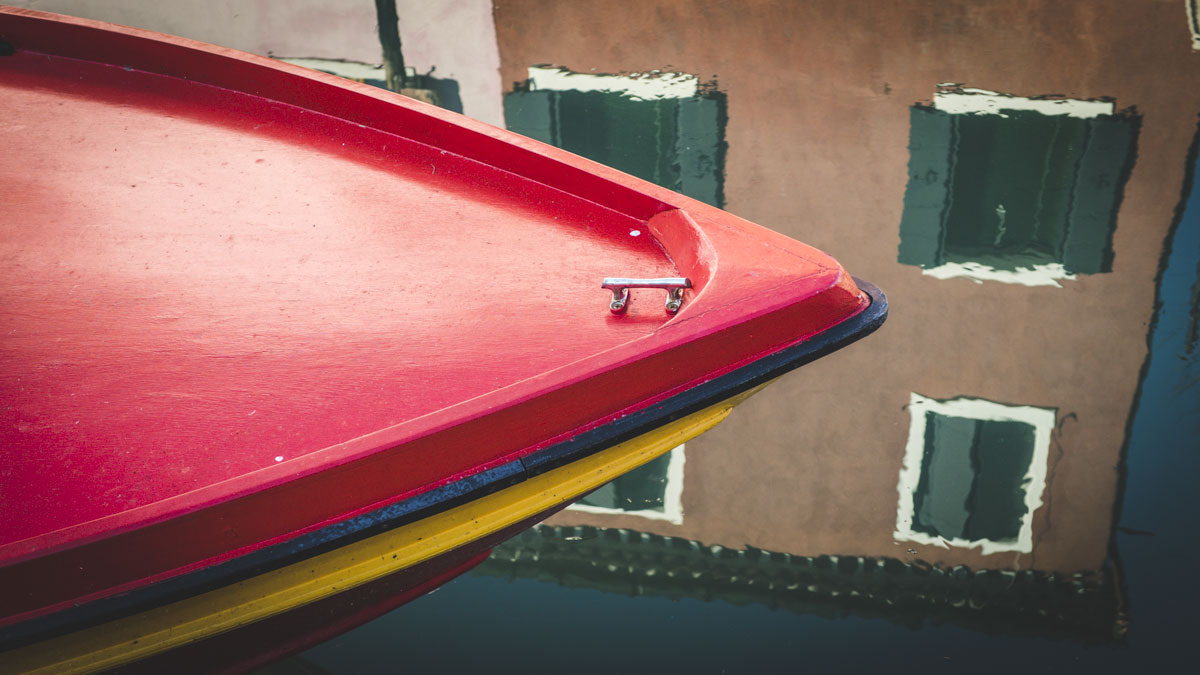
pixel 940 502
pixel 699 149
pixel 604 496
pixel 1100 182
pixel 930 165
pixel 1014 190
pixel 676 143
pixel 637 137
pixel 1001 456
pixel 1011 186
pixel 643 489
pixel 532 114
pixel 972 483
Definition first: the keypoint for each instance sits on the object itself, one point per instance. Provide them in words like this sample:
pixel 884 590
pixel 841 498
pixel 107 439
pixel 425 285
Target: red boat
pixel 267 334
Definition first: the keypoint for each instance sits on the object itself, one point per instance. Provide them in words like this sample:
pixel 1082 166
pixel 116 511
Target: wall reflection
pixel 964 467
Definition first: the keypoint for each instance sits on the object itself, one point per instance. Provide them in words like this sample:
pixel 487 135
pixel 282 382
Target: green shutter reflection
pixel 972 484
pixel 1100 182
pixel 675 143
pixel 1015 190
pixel 930 165
pixel 531 113
pixel 644 489
pixel 637 137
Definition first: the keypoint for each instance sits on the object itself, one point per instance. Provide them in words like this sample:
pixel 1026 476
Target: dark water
pixel 997 199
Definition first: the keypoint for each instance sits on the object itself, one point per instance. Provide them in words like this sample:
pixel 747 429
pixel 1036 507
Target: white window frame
pixel 650 86
pixel 1041 419
pixel 672 495
pixel 958 100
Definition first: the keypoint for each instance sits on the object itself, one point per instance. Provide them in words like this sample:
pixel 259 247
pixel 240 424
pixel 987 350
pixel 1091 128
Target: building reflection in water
pixel 973 477
pixel 1000 189
pixel 1014 189
pixel 1017 195
pixel 1010 175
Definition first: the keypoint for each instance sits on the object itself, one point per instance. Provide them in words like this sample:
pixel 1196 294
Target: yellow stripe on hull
pixel 230 607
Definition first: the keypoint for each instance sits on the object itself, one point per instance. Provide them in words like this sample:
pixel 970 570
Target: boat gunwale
pixel 707 316
pixel 113 52
pixel 348 531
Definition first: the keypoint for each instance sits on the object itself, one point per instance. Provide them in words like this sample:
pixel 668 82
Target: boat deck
pixel 202 283
pixel 248 305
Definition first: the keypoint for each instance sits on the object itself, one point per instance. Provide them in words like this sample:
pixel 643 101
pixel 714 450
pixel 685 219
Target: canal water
pixel 1003 478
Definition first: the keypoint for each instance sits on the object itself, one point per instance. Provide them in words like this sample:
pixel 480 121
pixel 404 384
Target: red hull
pixel 247 301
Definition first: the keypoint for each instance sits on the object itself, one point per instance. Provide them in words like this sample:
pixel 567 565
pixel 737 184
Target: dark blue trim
pixel 460 492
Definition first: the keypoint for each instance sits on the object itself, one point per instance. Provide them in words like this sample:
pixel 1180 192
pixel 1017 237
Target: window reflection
pixel 652 491
pixel 974 472
pixel 669 135
pixel 1011 194
pixel 972 478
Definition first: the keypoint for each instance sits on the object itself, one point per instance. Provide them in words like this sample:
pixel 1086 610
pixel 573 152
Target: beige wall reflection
pixel 983 426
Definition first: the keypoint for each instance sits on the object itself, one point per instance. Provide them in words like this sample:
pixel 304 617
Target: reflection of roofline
pixel 1080 606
